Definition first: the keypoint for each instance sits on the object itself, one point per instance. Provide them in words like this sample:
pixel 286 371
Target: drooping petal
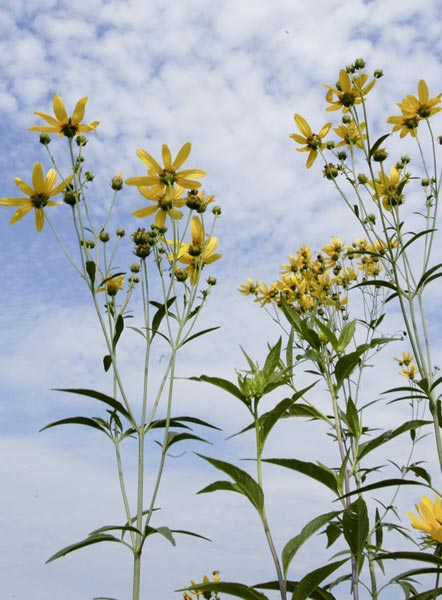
pixel 39 218
pixel 48 118
pixel 182 156
pixel 61 186
pixel 144 212
pixel 86 127
pixel 59 109
pixel 79 109
pixel 20 213
pixel 160 218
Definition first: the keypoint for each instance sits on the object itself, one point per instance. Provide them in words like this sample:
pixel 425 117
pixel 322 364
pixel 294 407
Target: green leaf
pixel 239 590
pixel 159 315
pixel 191 533
pixel 346 336
pixel 164 531
pixel 94 539
pixel 386 436
pixel 195 335
pixel 347 363
pixel 318 594
pixel 180 422
pixel 382 484
pixel 379 534
pixel 107 362
pixel 91 270
pixel 76 421
pixel 377 143
pixel 417 556
pixel 119 326
pixel 311 581
pixel 224 384
pixel 328 333
pixel 352 419
pixel 356 526
pixel 122 528
pixel 293 545
pixel 246 484
pixel 273 359
pixel 317 472
pixel 102 398
pixel 269 419
pixel 175 437
pixel 226 486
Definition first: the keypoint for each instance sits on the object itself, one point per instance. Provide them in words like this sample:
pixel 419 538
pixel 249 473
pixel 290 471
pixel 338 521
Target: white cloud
pixel 226 75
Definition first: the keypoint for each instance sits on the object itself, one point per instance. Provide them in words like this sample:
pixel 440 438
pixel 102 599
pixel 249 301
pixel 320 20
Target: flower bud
pixel 211 280
pixel 70 197
pixel 330 145
pixel 104 237
pixel 45 139
pixel 216 210
pixel 120 232
pixel 380 155
pixel 359 63
pixel 342 155
pixel 142 250
pixel 347 119
pixel 135 268
pixel 134 279
pixel 378 74
pixel 89 176
pixel 81 140
pixel 362 178
pixel 330 171
pixel 179 274
pixel 117 182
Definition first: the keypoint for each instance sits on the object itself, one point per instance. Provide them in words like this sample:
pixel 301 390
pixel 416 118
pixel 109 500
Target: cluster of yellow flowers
pixel 205 595
pixel 408 365
pixel 313 282
pixel 430 518
pixel 164 185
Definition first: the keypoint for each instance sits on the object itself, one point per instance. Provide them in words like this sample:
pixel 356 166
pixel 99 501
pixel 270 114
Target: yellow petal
pixel 20 213
pixel 167 157
pixel 422 90
pixel 303 126
pixel 49 182
pixel 38 178
pixel 196 229
pixel 144 212
pixel 61 186
pixel 182 156
pixel 78 113
pixel 23 186
pixel 148 160
pixel 48 118
pixel 39 219
pixel 59 109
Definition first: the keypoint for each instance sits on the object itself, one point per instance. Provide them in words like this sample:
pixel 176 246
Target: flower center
pixel 39 200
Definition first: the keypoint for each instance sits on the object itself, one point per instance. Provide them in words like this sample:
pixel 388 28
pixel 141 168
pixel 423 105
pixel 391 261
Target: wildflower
pixel 166 204
pixel 406 359
pixel 430 517
pixel 348 91
pixel 352 134
pixel 406 125
pixel 423 106
pixel 117 182
pixel 267 294
pixel 312 141
pixel 38 195
pixel 112 285
pixel 249 288
pixel 334 250
pixel 198 252
pixel 389 188
pixel 61 123
pixel 160 178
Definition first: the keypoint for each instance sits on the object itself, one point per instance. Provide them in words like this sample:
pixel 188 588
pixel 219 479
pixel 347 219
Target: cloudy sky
pixel 226 75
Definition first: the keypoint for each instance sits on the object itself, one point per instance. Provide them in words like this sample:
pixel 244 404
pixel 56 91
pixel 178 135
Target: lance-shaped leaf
pixel 91 270
pixel 107 362
pixel 119 326
pixel 311 581
pixel 180 422
pixel 224 384
pixel 77 421
pixel 293 545
pixel 386 436
pixel 318 594
pixel 195 335
pixel 416 556
pixel 317 472
pixel 356 526
pixel 159 315
pixel 164 531
pixel 377 143
pixel 173 437
pixel 239 590
pixel 93 539
pixel 122 528
pixel 381 484
pixel 102 398
pixel 247 486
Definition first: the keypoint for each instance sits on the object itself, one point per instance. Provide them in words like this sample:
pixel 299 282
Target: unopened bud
pixel 216 210
pixel 380 155
pixel 120 232
pixel 135 267
pixel 104 236
pixel 81 140
pixel 117 182
pixel 45 139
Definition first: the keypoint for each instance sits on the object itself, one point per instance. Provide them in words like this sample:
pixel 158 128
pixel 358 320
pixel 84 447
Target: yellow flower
pixel 112 285
pixel 406 125
pixel 267 294
pixel 430 517
pixel 406 359
pixel 333 251
pixel 38 195
pixel 389 188
pixel 164 204
pixel 61 123
pixel 249 288
pixel 198 252
pixel 423 106
pixel 351 134
pixel 312 141
pixel 348 91
pixel 160 178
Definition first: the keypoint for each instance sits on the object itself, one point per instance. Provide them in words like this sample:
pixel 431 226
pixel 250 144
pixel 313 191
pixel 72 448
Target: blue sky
pixel 227 76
